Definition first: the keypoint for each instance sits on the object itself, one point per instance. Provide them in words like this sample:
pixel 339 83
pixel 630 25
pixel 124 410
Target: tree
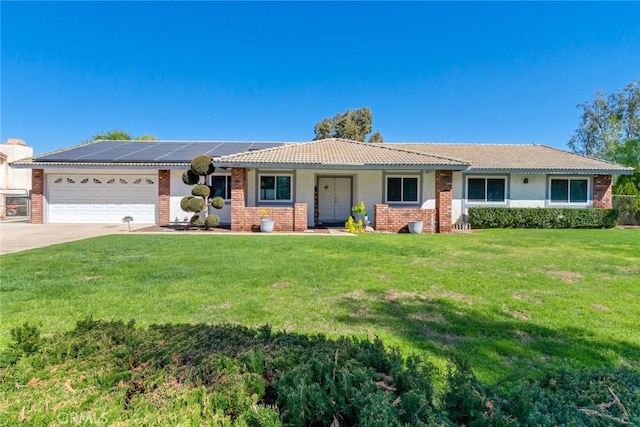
pixel 118 135
pixel 610 130
pixel 610 120
pixel 354 125
pixel 201 166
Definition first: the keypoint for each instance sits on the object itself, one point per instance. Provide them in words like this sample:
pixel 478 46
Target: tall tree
pixel 608 122
pixel 355 125
pixel 119 135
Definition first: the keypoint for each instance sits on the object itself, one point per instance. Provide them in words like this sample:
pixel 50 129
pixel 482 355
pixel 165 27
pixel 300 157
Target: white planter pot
pixel 266 225
pixel 415 227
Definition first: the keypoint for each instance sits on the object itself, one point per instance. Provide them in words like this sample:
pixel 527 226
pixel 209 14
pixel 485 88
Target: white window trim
pixel 401 202
pixel 276 175
pixel 569 203
pixel 486 202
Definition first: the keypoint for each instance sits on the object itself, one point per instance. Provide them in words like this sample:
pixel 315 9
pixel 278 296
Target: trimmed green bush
pixel 201 165
pixel 200 190
pixel 486 217
pixel 192 204
pixel 190 178
pixel 196 221
pixel 217 202
pixel 212 220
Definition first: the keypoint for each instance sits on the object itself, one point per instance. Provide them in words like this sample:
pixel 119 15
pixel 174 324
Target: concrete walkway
pixel 21 236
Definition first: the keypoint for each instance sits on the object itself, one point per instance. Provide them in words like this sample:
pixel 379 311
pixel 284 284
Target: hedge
pixel 485 217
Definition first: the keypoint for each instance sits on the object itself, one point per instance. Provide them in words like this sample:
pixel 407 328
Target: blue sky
pixel 503 72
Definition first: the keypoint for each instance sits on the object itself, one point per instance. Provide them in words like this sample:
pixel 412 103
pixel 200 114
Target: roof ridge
pixel 404 150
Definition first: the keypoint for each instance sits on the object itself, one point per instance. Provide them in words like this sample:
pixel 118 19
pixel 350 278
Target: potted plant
pixel 266 223
pixel 359 213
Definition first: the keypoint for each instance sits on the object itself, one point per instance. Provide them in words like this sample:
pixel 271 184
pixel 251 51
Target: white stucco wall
pixel 12 178
pixel 530 195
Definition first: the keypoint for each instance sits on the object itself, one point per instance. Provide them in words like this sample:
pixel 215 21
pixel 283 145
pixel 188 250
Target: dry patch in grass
pixel 518 314
pixel 600 307
pixel 456 296
pixel 527 298
pixel 280 285
pixel 225 305
pixel 444 338
pixel 394 295
pixel 89 278
pixel 566 276
pixel 356 295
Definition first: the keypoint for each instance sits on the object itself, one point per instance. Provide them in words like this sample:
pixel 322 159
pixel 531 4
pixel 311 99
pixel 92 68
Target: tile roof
pixel 334 152
pixel 524 157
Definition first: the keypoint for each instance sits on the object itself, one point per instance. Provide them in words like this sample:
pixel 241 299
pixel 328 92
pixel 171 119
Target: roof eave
pixel 628 171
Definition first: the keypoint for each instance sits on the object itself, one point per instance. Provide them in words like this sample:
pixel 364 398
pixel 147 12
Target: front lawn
pixel 505 299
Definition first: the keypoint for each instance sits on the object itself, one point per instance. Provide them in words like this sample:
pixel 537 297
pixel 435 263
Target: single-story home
pixel 303 184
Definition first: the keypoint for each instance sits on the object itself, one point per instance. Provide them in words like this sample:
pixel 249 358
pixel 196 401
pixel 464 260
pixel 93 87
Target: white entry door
pixel 102 198
pixel 334 199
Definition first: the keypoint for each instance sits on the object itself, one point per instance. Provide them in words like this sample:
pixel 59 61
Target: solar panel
pixel 151 151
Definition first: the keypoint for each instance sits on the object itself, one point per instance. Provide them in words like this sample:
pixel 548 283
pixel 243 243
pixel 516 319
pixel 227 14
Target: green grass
pixel 505 299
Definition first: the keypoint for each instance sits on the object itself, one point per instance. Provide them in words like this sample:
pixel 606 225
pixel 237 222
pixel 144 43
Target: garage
pixel 102 199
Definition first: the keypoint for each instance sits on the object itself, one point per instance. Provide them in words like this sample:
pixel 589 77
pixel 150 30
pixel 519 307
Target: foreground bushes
pixel 111 372
pixel 485 217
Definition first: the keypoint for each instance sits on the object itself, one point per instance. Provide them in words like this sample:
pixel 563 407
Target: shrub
pixel 190 178
pixel 200 190
pixel 211 221
pixel 217 202
pixel 202 165
pixel 192 204
pixel 196 221
pixel 355 227
pixel 484 217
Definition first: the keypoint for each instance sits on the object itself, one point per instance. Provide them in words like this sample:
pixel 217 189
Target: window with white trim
pixel 569 190
pixel 402 189
pixel 275 187
pixel 222 186
pixel 486 190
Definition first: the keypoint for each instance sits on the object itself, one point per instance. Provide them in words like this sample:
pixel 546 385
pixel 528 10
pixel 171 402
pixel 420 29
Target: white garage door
pixel 102 198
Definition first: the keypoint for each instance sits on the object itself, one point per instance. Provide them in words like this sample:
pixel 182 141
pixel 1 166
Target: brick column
pixel 238 197
pixel 444 184
pixel 381 220
pixel 602 195
pixel 299 217
pixel 164 197
pixel 37 196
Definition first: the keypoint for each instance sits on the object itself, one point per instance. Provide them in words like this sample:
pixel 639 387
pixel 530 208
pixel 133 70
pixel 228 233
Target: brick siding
pixel 243 218
pixel 37 196
pixel 602 193
pixel 396 220
pixel 164 197
pixel 444 184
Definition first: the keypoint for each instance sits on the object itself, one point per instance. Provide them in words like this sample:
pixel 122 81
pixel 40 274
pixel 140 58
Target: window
pixel 275 187
pixel 222 186
pixel 402 189
pixel 486 190
pixel 569 190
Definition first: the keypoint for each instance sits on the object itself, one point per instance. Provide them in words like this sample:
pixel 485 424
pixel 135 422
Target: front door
pixel 334 199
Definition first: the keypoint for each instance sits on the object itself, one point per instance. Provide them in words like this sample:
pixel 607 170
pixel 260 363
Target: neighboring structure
pixel 317 182
pixel 15 184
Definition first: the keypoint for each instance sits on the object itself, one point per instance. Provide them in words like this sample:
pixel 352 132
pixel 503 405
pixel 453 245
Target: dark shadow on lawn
pixel 498 344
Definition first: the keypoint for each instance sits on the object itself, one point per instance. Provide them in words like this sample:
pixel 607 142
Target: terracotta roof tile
pixel 514 157
pixel 342 152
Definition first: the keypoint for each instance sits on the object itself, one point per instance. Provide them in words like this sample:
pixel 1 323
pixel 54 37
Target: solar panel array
pixel 151 151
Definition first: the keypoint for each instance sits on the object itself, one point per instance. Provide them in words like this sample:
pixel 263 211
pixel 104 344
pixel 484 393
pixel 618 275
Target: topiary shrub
pixel 217 202
pixel 196 221
pixel 190 178
pixel 211 221
pixel 202 166
pixel 192 204
pixel 200 190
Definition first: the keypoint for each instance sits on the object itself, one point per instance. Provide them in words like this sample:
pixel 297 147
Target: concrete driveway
pixel 20 236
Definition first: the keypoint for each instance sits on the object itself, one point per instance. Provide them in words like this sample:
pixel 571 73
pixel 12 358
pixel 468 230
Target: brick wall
pixel 245 218
pixel 444 184
pixel 164 197
pixel 396 220
pixel 37 196
pixel 602 194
